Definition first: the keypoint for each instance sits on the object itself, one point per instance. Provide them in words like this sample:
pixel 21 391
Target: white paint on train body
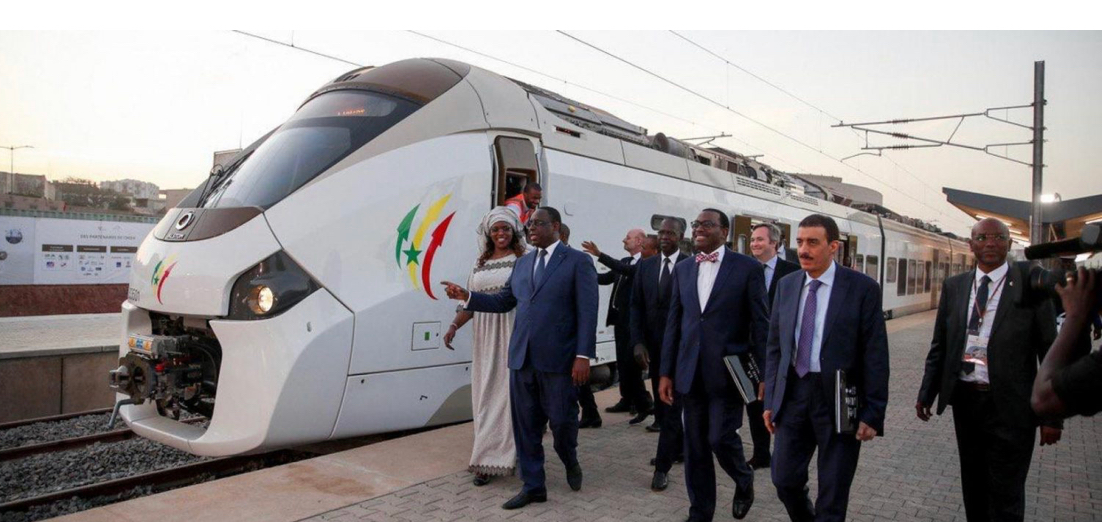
pixel 353 344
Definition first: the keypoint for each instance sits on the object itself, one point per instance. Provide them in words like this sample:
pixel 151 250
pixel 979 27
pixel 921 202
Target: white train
pixel 295 296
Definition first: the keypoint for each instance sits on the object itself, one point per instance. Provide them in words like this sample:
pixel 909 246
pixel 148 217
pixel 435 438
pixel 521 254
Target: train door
pixel 935 276
pixel 516 165
pixel 847 251
pixel 740 234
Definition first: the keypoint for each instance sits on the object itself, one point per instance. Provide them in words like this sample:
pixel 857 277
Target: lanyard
pixel 990 297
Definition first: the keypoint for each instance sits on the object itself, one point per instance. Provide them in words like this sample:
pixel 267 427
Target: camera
pixel 1043 282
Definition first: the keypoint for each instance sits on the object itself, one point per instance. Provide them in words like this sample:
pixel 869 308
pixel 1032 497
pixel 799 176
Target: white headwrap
pixel 499 215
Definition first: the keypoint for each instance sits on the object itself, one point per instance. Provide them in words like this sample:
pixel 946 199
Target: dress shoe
pixel 677 460
pixel 590 422
pixel 659 482
pixel 640 417
pixel 756 463
pixel 654 427
pixel 523 499
pixel 619 407
pixel 574 477
pixel 481 480
pixel 740 504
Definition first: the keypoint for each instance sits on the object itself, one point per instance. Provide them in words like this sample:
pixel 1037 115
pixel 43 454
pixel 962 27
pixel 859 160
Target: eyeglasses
pixel 538 223
pixel 995 237
pixel 706 225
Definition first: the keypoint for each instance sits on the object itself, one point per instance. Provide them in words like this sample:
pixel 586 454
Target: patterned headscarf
pixel 499 215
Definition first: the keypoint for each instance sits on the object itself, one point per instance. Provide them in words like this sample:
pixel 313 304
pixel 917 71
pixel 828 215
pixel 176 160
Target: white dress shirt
pixel 770 269
pixel 993 295
pixel 822 297
pixel 706 277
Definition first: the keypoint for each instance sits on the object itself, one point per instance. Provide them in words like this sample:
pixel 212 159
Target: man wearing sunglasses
pixel 982 361
pixel 717 308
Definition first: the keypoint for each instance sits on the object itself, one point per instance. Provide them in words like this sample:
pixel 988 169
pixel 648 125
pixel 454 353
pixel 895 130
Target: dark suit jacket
pixel 555 322
pixel 648 308
pixel 782 269
pixel 733 322
pixel 1020 336
pixel 620 276
pixel 854 340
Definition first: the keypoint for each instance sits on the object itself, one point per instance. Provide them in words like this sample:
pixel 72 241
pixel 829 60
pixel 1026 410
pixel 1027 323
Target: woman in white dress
pixel 501 242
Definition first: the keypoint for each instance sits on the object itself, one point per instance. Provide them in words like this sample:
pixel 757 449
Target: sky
pixel 156 105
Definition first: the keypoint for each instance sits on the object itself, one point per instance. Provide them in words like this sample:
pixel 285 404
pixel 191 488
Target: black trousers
pixel 994 458
pixel 758 433
pixel 587 402
pixel 671 438
pixel 805 425
pixel 711 427
pixel 631 376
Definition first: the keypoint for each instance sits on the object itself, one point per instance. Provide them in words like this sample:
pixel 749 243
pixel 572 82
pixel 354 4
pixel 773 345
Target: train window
pixel 890 277
pixel 516 166
pixel 929 276
pixel 901 288
pixel 912 276
pixel 322 132
pixel 860 264
pixel 872 267
pixel 921 278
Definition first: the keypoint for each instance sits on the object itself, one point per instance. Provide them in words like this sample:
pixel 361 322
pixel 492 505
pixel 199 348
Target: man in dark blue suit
pixel 825 318
pixel 717 308
pixel 554 291
pixel 650 307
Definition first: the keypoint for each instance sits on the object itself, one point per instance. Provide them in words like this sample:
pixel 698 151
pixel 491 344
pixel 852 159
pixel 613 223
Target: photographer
pixel 1066 383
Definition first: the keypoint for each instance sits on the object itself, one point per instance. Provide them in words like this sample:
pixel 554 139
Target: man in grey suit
pixel 982 361
pixel 554 291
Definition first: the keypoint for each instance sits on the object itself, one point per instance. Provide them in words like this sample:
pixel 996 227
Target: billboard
pixel 50 251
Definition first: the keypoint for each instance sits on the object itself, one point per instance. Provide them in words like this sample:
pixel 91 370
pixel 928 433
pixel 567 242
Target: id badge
pixel 975 358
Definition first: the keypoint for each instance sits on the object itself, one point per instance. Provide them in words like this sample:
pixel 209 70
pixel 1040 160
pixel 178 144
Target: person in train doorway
pixel 633 394
pixel 825 318
pixel 983 359
pixel 650 306
pixel 554 291
pixel 765 239
pixel 591 416
pixel 717 308
pixel 526 203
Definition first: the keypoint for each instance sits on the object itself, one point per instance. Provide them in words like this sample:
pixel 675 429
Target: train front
pixel 221 321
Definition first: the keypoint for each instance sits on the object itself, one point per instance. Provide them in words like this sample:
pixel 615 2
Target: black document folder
pixel 746 375
pixel 845 404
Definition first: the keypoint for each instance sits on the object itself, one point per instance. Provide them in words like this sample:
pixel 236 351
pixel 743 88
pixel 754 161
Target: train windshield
pixel 322 132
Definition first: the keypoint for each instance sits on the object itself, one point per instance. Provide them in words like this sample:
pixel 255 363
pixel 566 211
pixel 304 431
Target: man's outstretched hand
pixel 455 291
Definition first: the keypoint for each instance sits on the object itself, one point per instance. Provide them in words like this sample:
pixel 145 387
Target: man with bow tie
pixel 717 308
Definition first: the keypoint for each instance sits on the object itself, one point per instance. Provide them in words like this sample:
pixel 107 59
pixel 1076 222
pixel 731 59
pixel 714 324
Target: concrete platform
pixel 56 364
pixel 911 474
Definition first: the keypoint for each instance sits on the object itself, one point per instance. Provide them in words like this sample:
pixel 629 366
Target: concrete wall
pixel 26 300
pixel 40 386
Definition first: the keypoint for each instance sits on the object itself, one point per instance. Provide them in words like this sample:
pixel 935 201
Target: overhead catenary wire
pixel 744 116
pixel 792 95
pixel 293 46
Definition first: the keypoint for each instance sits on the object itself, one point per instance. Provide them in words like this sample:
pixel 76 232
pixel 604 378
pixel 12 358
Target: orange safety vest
pixel 517 202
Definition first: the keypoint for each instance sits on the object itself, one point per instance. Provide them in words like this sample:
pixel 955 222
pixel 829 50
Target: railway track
pixel 19 452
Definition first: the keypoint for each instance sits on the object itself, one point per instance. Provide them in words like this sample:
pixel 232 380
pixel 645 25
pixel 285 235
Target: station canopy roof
pixel 1072 213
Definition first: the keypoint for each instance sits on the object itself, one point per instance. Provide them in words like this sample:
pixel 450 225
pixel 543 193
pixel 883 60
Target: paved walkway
pixel 58 334
pixel 911 474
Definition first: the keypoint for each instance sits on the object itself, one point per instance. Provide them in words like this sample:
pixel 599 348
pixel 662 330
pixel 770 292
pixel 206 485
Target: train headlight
pixel 261 299
pixel 269 288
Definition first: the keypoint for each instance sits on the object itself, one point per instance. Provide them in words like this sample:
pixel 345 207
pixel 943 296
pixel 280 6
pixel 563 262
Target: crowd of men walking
pixel 677 316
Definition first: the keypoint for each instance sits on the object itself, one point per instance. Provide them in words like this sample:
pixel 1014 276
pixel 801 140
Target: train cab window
pixel 860 263
pixel 890 276
pixel 929 276
pixel 516 166
pixel 872 267
pixel 912 276
pixel 325 129
pixel 921 278
pixel 901 288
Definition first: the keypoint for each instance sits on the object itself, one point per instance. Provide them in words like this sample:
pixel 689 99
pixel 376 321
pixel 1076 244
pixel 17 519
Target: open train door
pixel 935 276
pixel 847 251
pixel 516 165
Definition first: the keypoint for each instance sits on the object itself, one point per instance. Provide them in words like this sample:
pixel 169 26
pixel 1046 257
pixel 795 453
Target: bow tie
pixel 707 258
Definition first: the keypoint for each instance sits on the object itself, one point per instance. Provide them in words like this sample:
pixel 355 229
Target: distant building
pixel 844 193
pixel 132 187
pixel 17 202
pixel 30 185
pixel 172 197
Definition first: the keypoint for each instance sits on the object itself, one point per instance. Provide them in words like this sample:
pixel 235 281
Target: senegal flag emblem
pixel 409 248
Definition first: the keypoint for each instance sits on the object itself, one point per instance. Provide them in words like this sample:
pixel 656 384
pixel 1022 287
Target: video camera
pixel 1043 282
